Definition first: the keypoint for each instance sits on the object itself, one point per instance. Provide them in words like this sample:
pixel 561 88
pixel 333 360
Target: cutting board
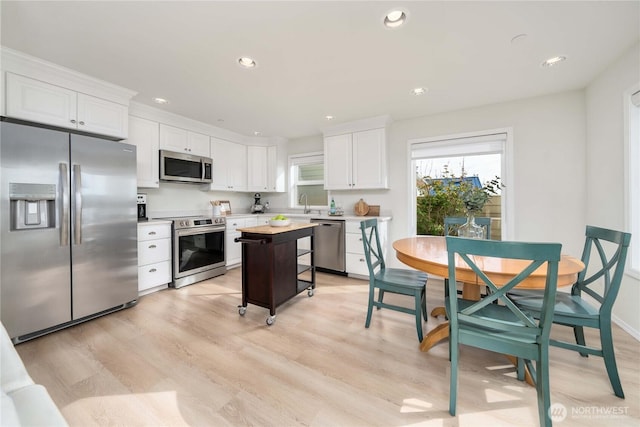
pixel 361 208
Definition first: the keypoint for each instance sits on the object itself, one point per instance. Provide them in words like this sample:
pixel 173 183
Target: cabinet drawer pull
pixel 152 246
pixel 153 270
pixel 361 260
pixel 152 233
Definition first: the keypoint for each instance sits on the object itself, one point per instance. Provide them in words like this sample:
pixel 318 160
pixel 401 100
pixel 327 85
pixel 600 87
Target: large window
pixel 306 179
pixel 480 157
pixel 632 178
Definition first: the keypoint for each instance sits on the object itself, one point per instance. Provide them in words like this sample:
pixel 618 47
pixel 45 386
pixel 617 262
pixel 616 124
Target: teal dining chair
pixel 601 283
pixel 503 327
pixel 394 280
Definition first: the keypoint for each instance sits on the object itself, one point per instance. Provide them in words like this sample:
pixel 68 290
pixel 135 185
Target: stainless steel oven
pixel 198 249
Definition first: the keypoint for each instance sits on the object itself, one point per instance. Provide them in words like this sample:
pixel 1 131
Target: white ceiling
pixel 323 57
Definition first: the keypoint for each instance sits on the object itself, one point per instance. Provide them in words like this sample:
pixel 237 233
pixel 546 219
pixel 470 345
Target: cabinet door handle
pixel 152 246
pixel 361 260
pixel 73 121
pixel 151 233
pixel 153 270
pixel 81 122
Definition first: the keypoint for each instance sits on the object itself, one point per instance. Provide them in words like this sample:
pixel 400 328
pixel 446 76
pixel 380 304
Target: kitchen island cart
pixel 271 271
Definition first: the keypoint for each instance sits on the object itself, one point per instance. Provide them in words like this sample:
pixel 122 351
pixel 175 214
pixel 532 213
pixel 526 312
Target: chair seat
pixel 409 279
pixel 566 305
pixel 496 313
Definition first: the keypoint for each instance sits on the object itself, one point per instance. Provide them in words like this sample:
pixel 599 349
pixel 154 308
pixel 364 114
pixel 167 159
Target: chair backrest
pixel 610 269
pixel 457 221
pixel 463 251
pixel 372 248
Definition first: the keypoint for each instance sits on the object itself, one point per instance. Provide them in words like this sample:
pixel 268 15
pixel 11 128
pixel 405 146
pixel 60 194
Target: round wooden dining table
pixel 429 254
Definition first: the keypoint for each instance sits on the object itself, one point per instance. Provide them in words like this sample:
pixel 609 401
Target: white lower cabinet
pixel 154 256
pixel 233 249
pixel 355 260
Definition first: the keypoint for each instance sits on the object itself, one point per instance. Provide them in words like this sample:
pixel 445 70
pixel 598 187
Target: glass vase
pixel 470 229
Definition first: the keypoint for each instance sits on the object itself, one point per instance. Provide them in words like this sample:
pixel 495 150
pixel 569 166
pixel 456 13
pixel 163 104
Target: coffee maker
pixel 257 206
pixel 142 207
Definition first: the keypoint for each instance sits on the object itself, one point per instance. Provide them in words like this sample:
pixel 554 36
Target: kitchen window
pixel 306 178
pixel 632 178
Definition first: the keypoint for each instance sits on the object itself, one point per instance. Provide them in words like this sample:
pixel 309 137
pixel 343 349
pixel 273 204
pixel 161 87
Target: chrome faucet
pixel 306 203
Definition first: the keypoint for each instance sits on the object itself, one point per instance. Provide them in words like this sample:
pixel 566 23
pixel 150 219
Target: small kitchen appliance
pixel 257 206
pixel 142 207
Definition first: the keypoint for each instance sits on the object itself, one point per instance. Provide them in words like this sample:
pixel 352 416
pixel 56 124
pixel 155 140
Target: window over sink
pixel 306 180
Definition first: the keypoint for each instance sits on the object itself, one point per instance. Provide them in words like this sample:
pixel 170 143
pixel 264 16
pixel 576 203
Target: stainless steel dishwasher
pixel 329 245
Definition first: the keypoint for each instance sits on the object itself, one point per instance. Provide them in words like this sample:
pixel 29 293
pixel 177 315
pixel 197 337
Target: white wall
pixel 548 188
pixel 605 166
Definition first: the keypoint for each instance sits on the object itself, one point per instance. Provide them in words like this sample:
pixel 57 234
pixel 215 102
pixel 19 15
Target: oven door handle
pixel 199 230
pixel 251 241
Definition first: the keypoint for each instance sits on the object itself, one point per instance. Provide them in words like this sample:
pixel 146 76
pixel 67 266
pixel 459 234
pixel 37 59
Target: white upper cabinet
pixel 229 170
pixel 41 102
pixel 356 160
pixel 275 183
pixel 184 141
pixel 145 135
pixel 257 169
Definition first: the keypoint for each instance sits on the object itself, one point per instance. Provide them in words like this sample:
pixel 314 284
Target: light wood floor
pixel 185 357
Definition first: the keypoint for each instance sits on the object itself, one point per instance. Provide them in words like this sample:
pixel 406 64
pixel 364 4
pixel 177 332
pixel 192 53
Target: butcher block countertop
pixel 268 229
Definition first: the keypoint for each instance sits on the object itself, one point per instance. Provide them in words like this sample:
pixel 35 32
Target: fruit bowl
pixel 279 222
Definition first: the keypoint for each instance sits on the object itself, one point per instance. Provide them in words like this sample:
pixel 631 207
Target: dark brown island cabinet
pixel 271 269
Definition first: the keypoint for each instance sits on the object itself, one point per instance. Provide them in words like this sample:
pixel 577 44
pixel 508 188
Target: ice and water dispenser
pixel 32 206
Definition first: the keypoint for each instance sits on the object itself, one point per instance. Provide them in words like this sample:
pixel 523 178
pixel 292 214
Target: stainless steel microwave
pixel 183 167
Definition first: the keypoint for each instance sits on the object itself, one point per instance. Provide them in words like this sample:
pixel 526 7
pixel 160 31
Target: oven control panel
pixel 198 222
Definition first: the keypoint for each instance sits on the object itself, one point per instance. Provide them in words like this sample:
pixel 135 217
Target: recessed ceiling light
pixel 160 101
pixel 395 18
pixel 256 133
pixel 554 61
pixel 246 62
pixel 419 91
pixel 328 117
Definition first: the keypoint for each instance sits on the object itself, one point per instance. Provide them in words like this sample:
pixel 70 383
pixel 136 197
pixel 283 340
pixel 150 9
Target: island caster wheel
pixel 271 320
pixel 242 310
pixel 310 292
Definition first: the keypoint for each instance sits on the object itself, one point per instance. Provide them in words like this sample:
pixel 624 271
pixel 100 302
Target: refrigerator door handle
pixel 77 191
pixel 64 205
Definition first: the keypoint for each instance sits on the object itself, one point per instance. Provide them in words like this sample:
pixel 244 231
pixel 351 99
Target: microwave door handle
pixel 202 169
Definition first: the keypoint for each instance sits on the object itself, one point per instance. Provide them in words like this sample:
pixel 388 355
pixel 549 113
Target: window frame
pixel 632 177
pixel 461 144
pixel 296 160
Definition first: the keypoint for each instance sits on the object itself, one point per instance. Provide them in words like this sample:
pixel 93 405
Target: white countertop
pixel 345 217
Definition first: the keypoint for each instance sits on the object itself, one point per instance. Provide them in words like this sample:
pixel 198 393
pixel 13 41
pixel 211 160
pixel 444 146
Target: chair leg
pixel 520 368
pixel 370 307
pixel 424 305
pixel 578 332
pixel 418 304
pixel 542 387
pixel 453 384
pixel 606 340
pixel 380 297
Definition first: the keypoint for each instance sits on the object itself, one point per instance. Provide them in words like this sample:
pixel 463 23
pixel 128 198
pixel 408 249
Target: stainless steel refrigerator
pixel 68 228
